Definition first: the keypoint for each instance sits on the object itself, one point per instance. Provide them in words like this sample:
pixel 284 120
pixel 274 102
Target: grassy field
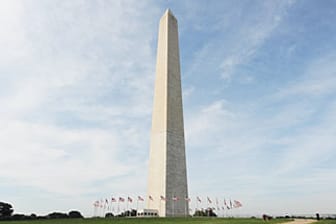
pixel 152 221
pixel 327 222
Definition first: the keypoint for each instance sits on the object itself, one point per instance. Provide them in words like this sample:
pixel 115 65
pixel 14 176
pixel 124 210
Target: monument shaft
pixel 167 165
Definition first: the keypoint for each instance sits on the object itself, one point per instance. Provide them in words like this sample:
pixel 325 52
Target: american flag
pixel 226 205
pixel 121 199
pixel 162 198
pixel 140 198
pixel 187 199
pixel 237 204
pixel 113 199
pixel 175 198
pixel 150 198
pixel 129 199
pixel 198 199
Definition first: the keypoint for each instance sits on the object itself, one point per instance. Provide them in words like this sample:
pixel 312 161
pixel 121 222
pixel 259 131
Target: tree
pixel 57 215
pixel 207 212
pixel 200 213
pixel 211 212
pixel 75 214
pixel 19 217
pixel 109 215
pixel 6 210
pixel 128 213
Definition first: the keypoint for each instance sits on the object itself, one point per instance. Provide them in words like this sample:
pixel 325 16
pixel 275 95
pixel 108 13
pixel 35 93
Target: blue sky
pixel 259 88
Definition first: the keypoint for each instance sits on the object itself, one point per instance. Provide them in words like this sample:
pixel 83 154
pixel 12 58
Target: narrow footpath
pixel 301 221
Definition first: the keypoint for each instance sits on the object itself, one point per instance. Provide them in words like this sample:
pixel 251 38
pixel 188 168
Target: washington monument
pixel 167 181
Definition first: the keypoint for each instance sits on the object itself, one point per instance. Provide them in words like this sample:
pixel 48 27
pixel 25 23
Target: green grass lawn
pixel 327 222
pixel 151 221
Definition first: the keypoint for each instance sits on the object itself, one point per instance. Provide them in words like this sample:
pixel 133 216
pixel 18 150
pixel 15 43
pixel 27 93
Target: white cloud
pixel 251 35
pixel 238 34
pixel 76 81
pixel 75 98
pixel 58 160
pixel 277 146
pixel 318 80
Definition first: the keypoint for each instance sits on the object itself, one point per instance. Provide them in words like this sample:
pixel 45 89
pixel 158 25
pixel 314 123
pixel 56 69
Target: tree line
pixel 7 213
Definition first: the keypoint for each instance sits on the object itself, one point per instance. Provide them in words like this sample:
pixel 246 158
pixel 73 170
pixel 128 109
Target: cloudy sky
pixel 259 88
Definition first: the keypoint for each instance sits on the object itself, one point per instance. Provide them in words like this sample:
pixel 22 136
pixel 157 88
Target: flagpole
pixel 112 206
pixel 218 208
pixel 231 208
pixel 223 209
pixel 101 207
pixel 127 206
pixel 149 202
pixel 173 206
pixel 187 200
pixel 104 208
pixel 207 207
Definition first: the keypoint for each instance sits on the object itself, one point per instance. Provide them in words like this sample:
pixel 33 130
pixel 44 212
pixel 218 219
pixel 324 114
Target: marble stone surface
pixel 167 164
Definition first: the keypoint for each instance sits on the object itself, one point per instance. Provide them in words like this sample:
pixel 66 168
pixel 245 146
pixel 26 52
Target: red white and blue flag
pixel 226 205
pixel 129 199
pixel 237 204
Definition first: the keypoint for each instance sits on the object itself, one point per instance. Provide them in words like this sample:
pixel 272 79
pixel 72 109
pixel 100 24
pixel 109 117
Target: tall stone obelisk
pixel 167 164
